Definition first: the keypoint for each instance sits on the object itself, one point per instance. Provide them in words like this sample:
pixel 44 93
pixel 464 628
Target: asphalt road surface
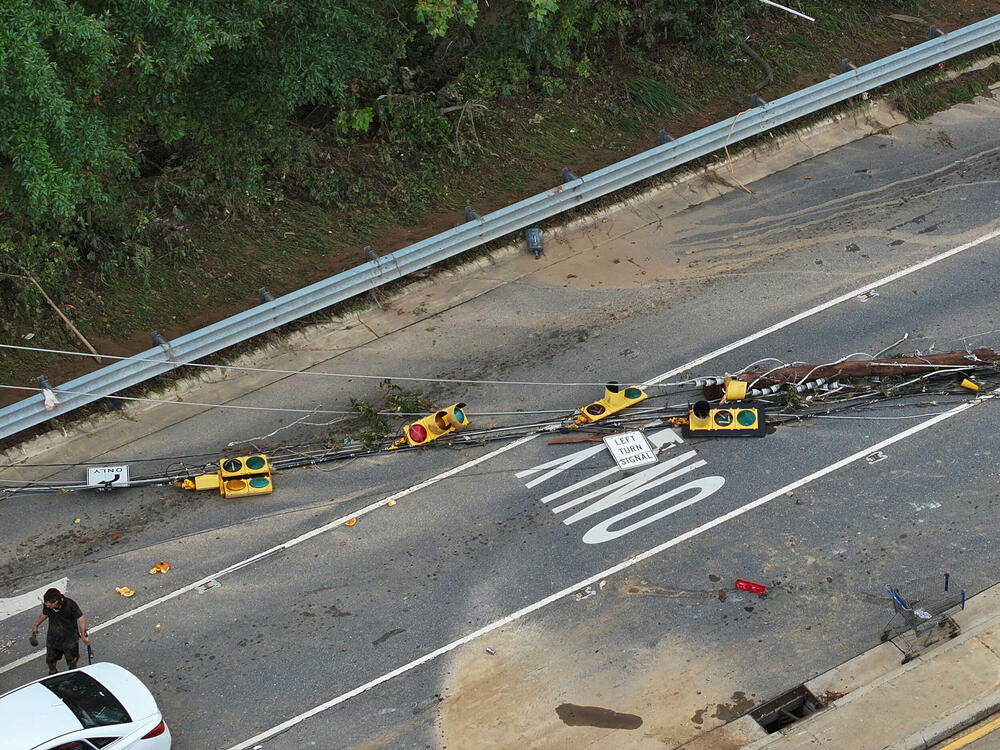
pixel 523 594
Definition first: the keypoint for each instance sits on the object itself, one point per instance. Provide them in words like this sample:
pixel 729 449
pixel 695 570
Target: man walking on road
pixel 66 627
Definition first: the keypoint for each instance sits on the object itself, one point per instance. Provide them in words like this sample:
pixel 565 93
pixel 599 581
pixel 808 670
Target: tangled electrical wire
pixel 791 401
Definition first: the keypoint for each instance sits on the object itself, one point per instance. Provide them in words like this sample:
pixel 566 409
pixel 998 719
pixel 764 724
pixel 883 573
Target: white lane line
pixel 828 304
pixel 283 546
pixel 15 605
pixel 743 509
pixel 670 373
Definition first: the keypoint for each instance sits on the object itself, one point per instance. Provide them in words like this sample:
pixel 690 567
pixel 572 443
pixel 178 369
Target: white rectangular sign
pixel 630 450
pixel 99 476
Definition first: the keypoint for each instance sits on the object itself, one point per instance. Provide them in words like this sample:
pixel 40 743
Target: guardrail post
pixel 665 137
pixel 264 295
pixel 47 395
pixel 936 32
pixel 110 404
pixel 533 237
pixel 370 255
pixel 160 341
pixel 756 100
pixel 471 214
pixel 568 176
pixel 846 66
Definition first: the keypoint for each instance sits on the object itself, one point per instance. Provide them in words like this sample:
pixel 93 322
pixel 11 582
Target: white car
pixel 90 708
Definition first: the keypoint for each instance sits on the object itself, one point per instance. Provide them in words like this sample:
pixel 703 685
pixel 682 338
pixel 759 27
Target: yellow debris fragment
pixel 160 567
pixel 351 522
pixel 125 591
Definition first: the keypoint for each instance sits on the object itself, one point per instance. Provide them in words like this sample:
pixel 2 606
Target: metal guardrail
pixel 287 308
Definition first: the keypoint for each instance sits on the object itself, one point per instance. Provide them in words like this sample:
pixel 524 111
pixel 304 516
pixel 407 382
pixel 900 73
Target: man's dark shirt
pixel 62 624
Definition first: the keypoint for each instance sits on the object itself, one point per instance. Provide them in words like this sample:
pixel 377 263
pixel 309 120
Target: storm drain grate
pixel 786 709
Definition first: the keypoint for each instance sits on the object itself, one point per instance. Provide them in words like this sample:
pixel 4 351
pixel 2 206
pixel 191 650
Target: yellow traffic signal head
pixel 742 421
pixel 436 425
pixel 615 399
pixel 240 476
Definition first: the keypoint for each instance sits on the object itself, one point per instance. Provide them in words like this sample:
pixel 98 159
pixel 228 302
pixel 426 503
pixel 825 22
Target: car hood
pixel 34 714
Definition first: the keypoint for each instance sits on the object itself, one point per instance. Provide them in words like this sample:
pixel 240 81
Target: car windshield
pixel 91 702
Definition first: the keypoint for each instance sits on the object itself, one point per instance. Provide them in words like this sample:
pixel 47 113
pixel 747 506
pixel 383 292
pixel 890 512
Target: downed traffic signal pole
pixel 882 367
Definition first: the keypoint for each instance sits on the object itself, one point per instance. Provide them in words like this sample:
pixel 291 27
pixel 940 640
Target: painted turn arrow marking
pixel 15 605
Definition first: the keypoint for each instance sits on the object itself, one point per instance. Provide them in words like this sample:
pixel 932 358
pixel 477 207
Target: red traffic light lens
pixel 418 433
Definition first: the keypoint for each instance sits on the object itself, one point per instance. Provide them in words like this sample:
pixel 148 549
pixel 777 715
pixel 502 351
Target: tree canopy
pixel 114 111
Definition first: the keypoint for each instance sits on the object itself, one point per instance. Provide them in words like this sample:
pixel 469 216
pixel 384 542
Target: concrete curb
pixel 874 673
pixel 964 716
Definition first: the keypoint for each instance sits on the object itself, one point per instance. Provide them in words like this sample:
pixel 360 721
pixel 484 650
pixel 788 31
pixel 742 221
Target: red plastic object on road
pixel 756 588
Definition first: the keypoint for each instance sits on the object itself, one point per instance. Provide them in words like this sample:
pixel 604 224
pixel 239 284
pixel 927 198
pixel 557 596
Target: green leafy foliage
pixel 122 121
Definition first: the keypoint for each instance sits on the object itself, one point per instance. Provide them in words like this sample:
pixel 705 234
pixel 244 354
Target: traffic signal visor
pixel 735 390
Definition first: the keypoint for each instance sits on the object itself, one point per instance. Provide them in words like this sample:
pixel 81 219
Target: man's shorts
pixel 70 653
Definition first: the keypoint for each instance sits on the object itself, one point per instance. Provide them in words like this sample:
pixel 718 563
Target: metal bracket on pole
pixel 370 255
pixel 936 32
pixel 568 176
pixel 665 137
pixel 846 66
pixel 756 100
pixel 264 295
pixel 471 214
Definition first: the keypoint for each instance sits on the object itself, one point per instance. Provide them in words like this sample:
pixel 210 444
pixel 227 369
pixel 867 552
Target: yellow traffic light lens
pixel 746 417
pixel 236 485
pixel 723 418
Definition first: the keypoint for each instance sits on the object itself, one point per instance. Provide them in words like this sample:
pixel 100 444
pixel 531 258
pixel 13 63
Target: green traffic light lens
pixel 255 462
pixel 633 393
pixel 746 417
pixel 459 416
pixel 259 482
